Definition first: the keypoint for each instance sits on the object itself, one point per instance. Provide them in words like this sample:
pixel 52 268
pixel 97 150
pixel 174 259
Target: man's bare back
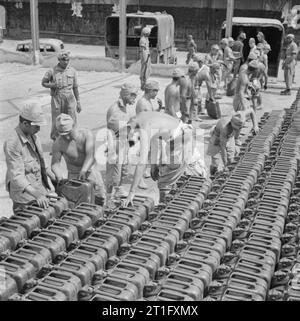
pixel 172 99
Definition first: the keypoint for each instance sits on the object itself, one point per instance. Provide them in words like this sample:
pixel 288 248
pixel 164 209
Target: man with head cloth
pixel 63 84
pixel 145 56
pixel 289 63
pixel 145 103
pixel 117 118
pixel 27 177
pixel 77 147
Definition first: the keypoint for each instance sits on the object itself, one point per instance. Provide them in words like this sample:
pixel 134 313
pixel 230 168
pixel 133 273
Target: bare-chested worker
pixel 145 56
pixel 191 48
pixel 240 101
pixel 176 96
pixel 238 51
pixel 77 147
pixel 169 143
pixel 145 103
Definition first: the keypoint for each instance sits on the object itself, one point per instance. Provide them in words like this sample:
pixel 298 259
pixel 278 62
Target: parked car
pixel 47 46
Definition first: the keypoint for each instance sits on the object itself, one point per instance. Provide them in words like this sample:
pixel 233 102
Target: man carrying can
pixel 63 84
pixel 27 177
pixel 77 147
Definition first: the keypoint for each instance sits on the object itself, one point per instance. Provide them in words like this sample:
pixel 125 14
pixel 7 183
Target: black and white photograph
pixel 149 155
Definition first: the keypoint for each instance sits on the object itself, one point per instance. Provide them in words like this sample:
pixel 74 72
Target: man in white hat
pixel 145 56
pixel 117 118
pixel 176 96
pixel 222 142
pixel 27 177
pixel 289 63
pixel 63 84
pixel 77 147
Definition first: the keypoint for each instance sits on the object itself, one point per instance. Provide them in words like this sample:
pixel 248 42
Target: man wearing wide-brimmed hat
pixel 63 84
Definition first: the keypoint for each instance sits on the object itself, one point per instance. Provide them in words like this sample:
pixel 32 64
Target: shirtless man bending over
pixel 77 147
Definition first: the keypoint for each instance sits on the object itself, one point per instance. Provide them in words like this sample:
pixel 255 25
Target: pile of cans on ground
pixel 233 238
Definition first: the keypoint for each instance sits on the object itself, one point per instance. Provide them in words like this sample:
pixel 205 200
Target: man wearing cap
pixel 222 141
pixel 145 56
pixel 240 101
pixel 176 96
pixel 26 177
pixel 191 48
pixel 289 63
pixel 117 118
pixel 77 147
pixel 63 84
pixel 238 52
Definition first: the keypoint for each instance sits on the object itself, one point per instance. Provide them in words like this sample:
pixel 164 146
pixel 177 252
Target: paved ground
pixel 98 90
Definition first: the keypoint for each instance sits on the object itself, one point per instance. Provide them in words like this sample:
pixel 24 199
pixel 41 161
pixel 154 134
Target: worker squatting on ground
pixel 240 101
pixel 63 84
pixel 191 49
pixel 222 144
pixel 167 143
pixel 238 52
pixel 145 56
pixel 27 178
pixel 77 147
pixel 117 117
pixel 175 96
pixel 289 63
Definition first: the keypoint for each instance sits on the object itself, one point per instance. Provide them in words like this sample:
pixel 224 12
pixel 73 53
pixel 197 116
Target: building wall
pixel 201 18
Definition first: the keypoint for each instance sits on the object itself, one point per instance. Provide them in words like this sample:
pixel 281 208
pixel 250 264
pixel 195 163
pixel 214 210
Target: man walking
pixel 191 48
pixel 27 178
pixel 77 147
pixel 63 84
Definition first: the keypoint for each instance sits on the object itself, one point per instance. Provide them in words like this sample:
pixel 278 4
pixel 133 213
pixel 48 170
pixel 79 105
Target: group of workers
pixel 163 133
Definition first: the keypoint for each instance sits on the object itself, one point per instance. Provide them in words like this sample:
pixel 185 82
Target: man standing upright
pixel 26 177
pixel 117 118
pixel 289 63
pixel 191 49
pixel 238 52
pixel 145 56
pixel 63 84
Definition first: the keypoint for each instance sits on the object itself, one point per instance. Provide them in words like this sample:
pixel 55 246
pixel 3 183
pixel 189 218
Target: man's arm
pixel 47 80
pixel 56 161
pixel 89 154
pixel 223 143
pixel 183 90
pixel 76 92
